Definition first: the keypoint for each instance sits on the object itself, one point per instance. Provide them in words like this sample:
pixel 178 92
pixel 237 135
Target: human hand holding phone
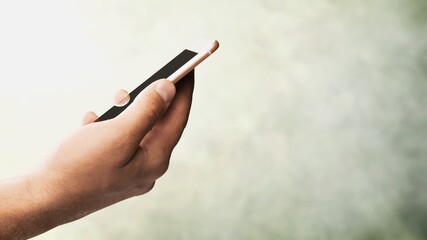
pixel 104 162
pixel 100 164
pixel 110 161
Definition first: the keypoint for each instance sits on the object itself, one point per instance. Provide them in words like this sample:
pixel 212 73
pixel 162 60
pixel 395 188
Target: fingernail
pixel 166 90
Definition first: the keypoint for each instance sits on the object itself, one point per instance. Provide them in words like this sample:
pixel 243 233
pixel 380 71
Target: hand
pixel 109 161
pixel 106 162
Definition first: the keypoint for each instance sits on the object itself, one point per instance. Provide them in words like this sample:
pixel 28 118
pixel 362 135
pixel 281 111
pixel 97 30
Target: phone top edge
pixel 203 49
pixel 206 45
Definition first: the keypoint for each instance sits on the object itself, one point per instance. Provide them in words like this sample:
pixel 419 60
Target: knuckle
pixel 150 187
pixel 156 171
pixel 161 168
pixel 160 165
pixel 145 188
pixel 151 167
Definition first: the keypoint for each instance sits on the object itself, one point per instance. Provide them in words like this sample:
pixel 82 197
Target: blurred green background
pixel 310 121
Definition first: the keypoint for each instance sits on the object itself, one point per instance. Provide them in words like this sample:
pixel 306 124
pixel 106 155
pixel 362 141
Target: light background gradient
pixel 310 121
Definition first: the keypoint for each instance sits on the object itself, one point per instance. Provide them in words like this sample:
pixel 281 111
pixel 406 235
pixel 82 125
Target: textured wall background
pixel 308 123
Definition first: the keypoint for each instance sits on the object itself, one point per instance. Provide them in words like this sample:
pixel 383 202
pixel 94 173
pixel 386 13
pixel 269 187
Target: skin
pixel 101 164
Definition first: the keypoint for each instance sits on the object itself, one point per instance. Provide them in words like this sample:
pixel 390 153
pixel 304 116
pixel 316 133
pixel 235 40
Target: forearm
pixel 25 210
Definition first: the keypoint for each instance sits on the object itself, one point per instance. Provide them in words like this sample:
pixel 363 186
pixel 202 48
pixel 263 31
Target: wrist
pixel 66 196
pixel 45 202
pixel 58 199
pixel 25 208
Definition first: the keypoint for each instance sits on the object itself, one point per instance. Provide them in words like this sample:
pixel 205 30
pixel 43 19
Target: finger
pixel 121 98
pixel 138 119
pixel 89 118
pixel 168 130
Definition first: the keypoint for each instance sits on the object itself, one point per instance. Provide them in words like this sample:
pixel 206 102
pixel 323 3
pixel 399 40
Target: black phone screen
pixel 164 72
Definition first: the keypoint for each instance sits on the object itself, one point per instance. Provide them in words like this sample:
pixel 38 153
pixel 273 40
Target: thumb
pixel 147 108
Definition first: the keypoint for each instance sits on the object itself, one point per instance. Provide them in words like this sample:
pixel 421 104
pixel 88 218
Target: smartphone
pixel 176 69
